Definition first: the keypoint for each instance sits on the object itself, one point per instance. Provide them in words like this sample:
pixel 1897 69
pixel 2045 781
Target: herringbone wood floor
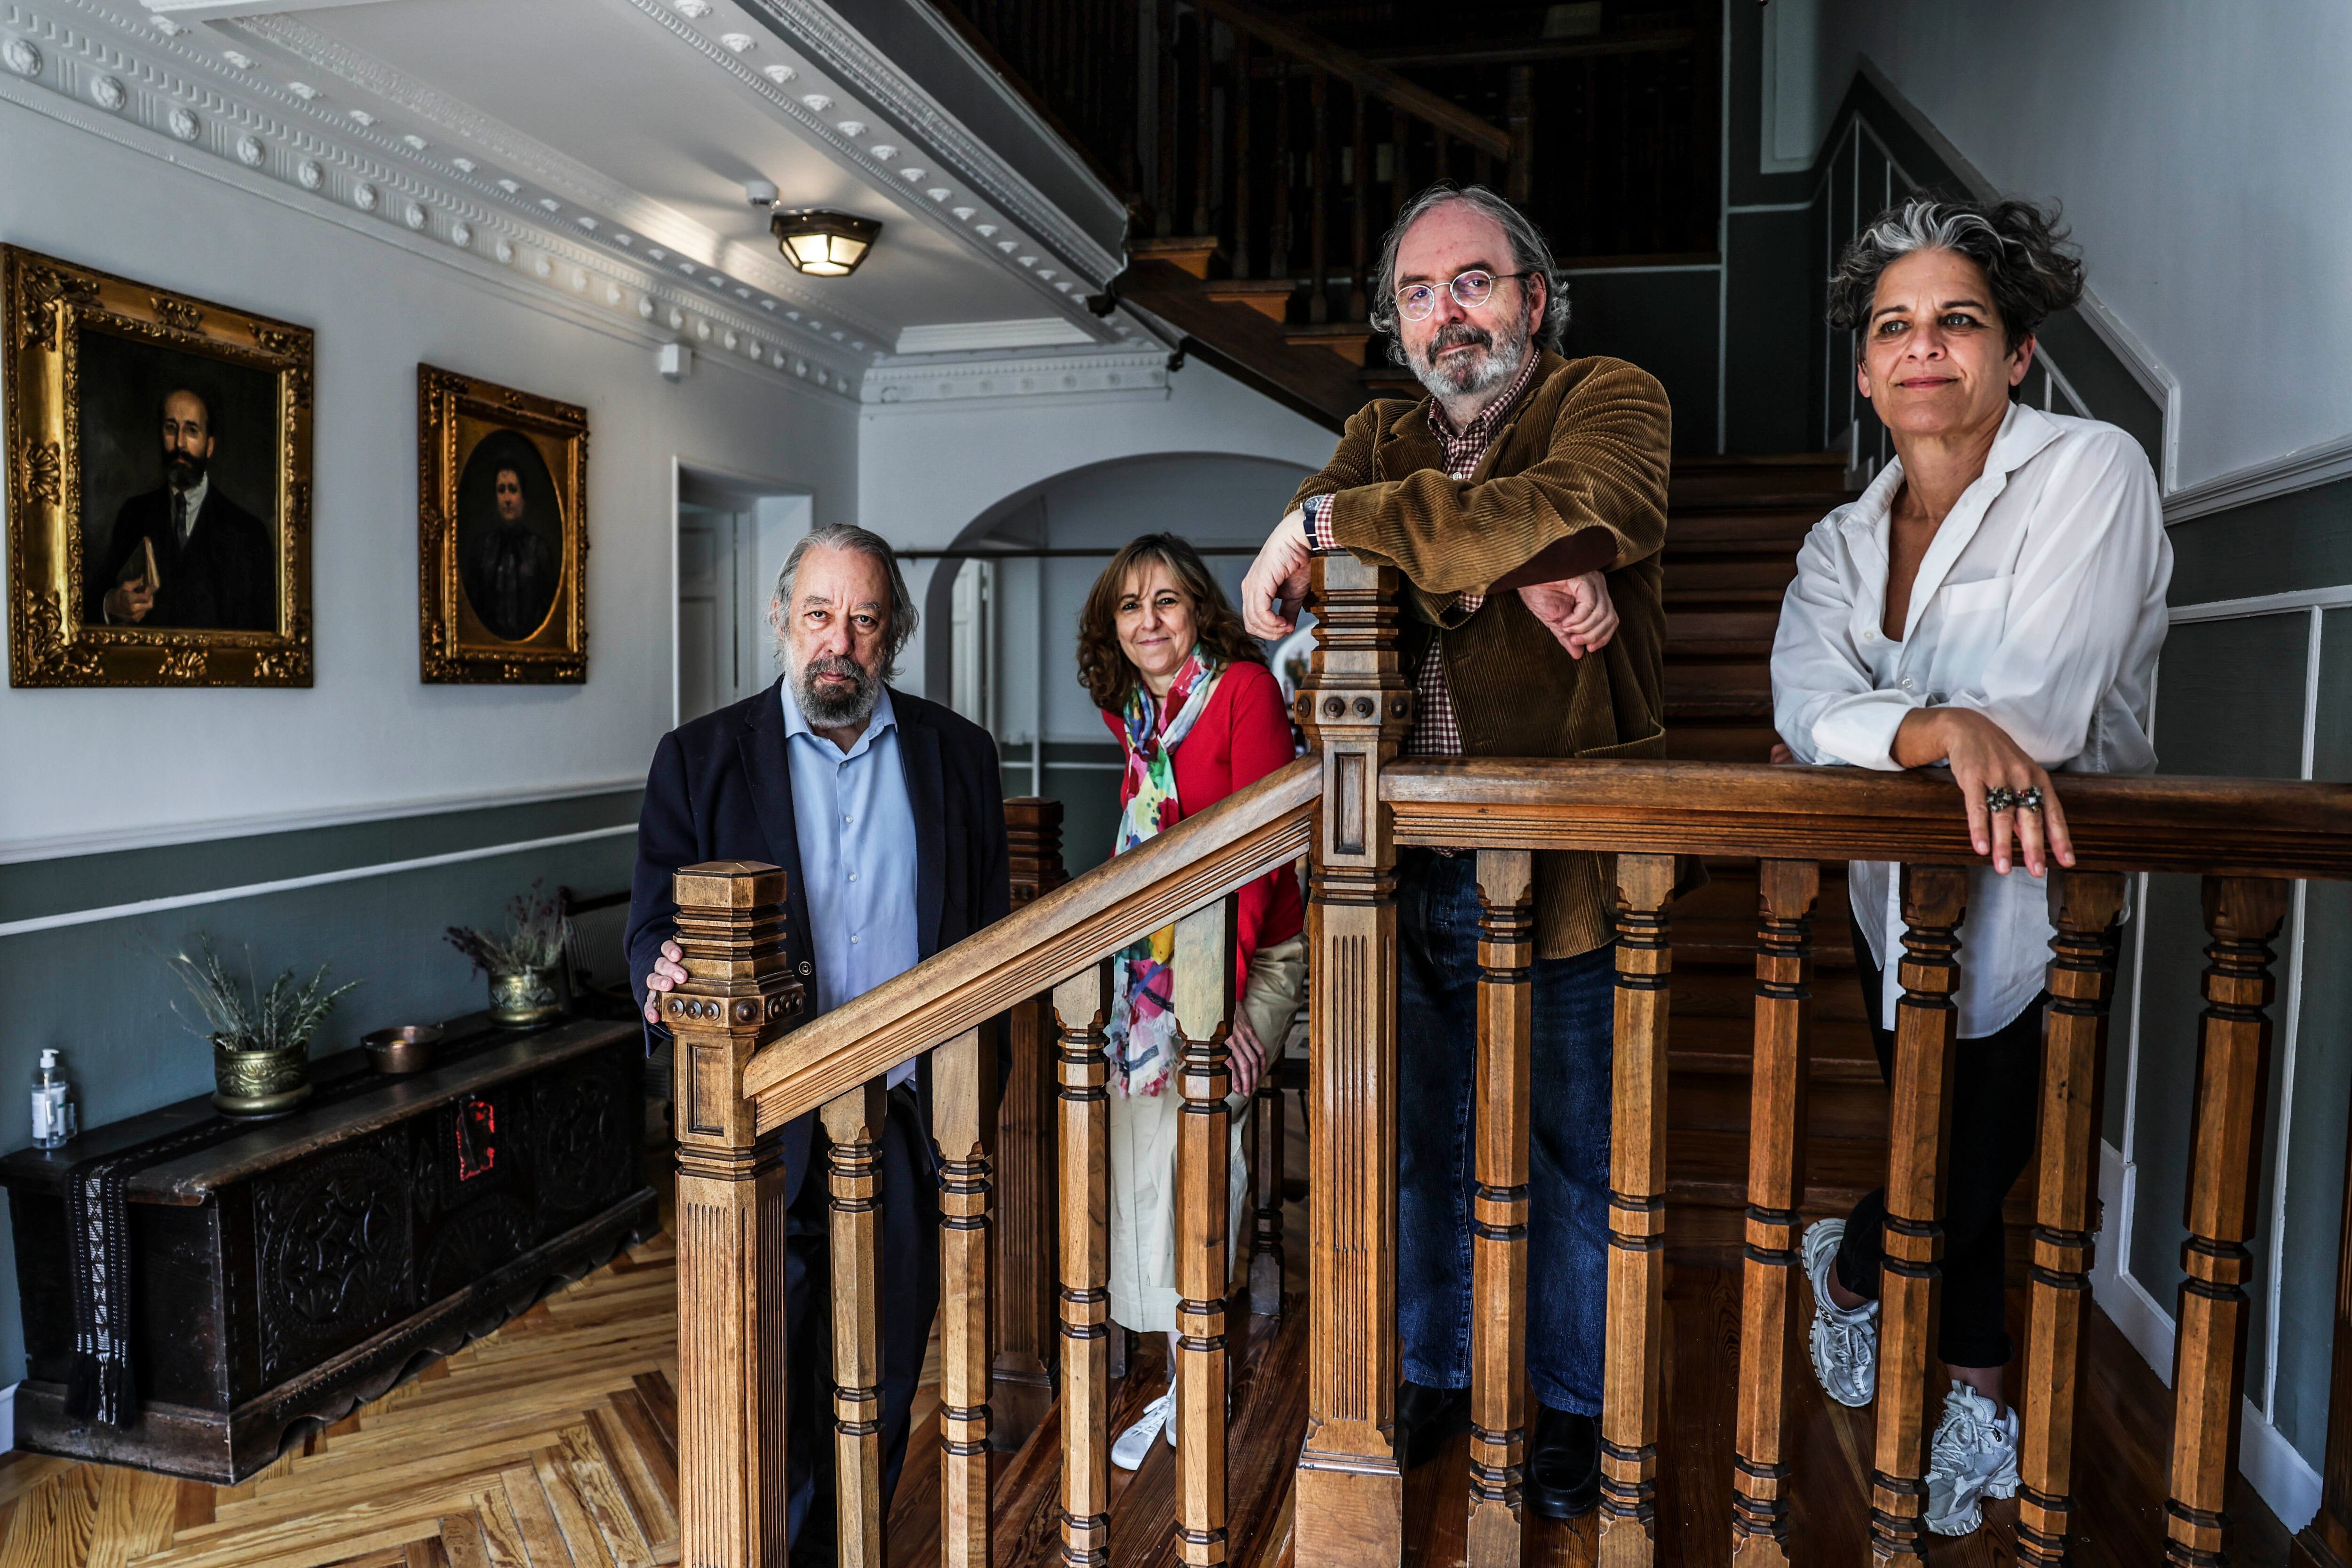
pixel 550 1444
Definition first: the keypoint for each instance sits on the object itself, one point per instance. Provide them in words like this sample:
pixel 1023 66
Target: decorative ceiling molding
pixel 147 89
pixel 613 203
pixel 1079 265
pixel 955 337
pixel 963 381
pixel 820 31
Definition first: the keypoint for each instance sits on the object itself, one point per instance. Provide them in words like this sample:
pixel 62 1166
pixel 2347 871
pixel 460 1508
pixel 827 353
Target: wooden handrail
pixel 1354 68
pixel 2223 828
pixel 1244 835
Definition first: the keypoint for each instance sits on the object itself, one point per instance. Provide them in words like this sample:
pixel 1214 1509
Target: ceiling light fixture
pixel 824 244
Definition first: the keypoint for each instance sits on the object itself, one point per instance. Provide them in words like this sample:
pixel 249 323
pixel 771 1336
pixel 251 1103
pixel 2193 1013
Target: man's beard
pixel 1470 376
pixel 182 470
pixel 832 707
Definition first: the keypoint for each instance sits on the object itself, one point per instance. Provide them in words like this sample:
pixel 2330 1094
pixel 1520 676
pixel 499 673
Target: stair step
pixel 1269 297
pixel 1727 1045
pixel 1191 252
pixel 1346 339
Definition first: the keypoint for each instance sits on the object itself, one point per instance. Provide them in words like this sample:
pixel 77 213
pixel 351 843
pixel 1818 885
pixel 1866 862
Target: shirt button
pixel 1907 683
pixel 853 876
pixel 852 942
pixel 848 820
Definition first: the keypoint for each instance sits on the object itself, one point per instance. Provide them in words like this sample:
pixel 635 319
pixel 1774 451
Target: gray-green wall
pixel 83 941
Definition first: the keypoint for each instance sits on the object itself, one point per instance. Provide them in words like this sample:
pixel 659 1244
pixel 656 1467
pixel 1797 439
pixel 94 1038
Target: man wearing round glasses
pixel 1524 501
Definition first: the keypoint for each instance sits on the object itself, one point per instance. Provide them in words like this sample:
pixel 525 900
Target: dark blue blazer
pixel 722 789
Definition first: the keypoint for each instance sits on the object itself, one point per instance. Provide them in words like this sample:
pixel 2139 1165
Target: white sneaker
pixel 1974 1457
pixel 1844 1340
pixel 1135 1443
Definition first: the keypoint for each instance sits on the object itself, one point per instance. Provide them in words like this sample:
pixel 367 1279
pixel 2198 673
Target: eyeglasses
pixel 1470 289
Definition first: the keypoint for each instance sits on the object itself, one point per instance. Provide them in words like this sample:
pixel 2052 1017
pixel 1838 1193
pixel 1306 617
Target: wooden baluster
pixel 1021 1265
pixel 1165 19
pixel 1278 251
pixel 853 1126
pixel 1482 167
pixel 1318 210
pixel 2326 1541
pixel 1201 986
pixel 1519 106
pixel 1498 1218
pixel 1204 139
pixel 1637 1214
pixel 1442 157
pixel 1356 706
pixel 1081 1008
pixel 1918 1136
pixel 1399 179
pixel 960 1090
pixel 1788 891
pixel 2083 905
pixel 1241 117
pixel 1359 204
pixel 730 1218
pixel 2209 1363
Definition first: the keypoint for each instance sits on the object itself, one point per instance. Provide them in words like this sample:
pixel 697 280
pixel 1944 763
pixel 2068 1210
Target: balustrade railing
pixel 1350 804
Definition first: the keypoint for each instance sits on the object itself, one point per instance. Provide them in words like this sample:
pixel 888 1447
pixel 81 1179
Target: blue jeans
pixel 1567 1144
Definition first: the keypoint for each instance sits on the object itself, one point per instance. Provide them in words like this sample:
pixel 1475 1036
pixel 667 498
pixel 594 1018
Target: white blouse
pixel 2040 605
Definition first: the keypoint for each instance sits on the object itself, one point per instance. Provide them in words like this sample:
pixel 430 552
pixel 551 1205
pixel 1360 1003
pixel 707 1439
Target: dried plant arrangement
pixel 237 1014
pixel 534 939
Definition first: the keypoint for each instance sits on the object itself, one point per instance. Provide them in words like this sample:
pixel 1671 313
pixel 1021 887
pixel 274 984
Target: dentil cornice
pixel 969 378
pixel 160 87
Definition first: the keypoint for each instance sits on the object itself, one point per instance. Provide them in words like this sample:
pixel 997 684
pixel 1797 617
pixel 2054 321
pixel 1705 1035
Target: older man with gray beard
pixel 1524 501
pixel 885 813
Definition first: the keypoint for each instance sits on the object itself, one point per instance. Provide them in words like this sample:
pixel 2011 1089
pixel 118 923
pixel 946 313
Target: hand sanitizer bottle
pixel 54 1116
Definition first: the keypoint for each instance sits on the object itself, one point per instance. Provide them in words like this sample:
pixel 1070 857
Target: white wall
pixel 2201 152
pixel 928 470
pixel 368 736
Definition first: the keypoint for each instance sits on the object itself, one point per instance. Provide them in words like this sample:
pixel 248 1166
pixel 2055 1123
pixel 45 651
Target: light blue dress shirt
pixel 856 825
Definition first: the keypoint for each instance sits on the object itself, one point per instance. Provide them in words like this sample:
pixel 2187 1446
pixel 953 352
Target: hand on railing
pixel 1248 1058
pixel 668 973
pixel 1985 759
pixel 1278 576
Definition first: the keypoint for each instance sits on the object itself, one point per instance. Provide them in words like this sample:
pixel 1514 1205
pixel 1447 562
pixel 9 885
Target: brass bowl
pixel 408 1049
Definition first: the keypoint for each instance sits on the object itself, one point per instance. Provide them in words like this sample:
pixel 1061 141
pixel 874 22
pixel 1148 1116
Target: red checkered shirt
pixel 1436 731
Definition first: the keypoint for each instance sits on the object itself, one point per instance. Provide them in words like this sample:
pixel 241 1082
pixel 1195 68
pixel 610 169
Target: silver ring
pixel 1999 799
pixel 2029 798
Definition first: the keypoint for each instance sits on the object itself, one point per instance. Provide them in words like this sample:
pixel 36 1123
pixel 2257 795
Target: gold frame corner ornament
pixel 453 646
pixel 45 304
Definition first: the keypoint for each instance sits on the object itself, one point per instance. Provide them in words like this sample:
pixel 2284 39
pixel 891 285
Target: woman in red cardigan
pixel 1197 716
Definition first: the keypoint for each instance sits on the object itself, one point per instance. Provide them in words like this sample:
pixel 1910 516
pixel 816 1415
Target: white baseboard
pixel 2277 1472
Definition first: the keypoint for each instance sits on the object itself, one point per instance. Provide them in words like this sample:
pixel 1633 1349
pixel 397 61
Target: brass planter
pixel 525 996
pixel 261 1083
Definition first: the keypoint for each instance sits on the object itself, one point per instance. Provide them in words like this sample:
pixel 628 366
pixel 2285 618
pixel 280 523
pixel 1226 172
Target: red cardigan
pixel 1242 736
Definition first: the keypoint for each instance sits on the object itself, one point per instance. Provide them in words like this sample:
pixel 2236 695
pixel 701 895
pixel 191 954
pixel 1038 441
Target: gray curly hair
pixel 1530 252
pixel 864 542
pixel 2032 271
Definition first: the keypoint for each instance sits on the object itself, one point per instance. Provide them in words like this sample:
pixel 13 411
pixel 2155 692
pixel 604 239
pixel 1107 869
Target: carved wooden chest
pixel 305 1264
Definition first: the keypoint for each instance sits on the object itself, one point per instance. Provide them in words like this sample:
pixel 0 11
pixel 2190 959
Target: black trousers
pixel 908 1244
pixel 1996 1092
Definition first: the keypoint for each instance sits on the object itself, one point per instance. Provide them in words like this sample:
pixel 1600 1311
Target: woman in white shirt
pixel 1992 604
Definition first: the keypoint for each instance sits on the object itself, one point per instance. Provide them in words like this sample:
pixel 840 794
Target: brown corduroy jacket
pixel 1587 447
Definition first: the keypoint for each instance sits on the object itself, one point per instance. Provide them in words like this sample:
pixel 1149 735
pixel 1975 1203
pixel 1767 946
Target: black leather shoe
pixel 1426 1418
pixel 1563 1476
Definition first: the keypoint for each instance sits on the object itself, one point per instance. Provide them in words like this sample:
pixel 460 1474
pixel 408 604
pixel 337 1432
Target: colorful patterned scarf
pixel 1142 1030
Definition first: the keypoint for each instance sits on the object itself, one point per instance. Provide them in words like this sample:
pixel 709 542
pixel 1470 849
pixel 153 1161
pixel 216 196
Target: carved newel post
pixel 730 1218
pixel 1355 707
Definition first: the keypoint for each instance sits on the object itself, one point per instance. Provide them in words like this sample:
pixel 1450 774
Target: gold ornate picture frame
pixel 158 452
pixel 501 533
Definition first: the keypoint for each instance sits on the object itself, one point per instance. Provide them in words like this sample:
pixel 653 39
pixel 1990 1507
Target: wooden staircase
pixel 1736 523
